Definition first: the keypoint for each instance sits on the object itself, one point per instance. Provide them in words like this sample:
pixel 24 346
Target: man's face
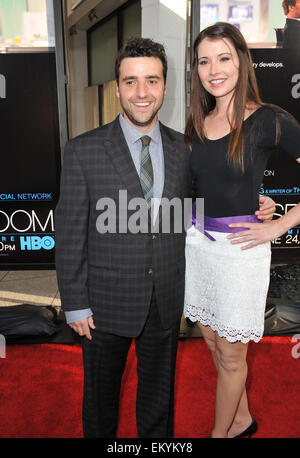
pixel 294 11
pixel 141 90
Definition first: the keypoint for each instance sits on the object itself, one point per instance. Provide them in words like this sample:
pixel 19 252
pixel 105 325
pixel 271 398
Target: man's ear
pixel 117 90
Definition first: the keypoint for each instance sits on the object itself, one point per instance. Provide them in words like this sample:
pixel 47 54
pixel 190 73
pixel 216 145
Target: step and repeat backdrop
pixel 30 159
pixel 31 155
pixel 278 75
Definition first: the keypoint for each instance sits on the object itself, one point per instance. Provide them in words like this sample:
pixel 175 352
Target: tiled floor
pixel 29 287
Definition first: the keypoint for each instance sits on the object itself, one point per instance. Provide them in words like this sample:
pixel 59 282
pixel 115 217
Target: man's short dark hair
pixel 286 4
pixel 141 47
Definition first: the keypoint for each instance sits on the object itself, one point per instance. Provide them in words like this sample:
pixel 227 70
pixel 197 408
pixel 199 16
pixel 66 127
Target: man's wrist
pixel 77 315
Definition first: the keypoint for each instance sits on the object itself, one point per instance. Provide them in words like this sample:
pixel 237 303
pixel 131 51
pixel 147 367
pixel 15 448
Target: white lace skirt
pixel 226 287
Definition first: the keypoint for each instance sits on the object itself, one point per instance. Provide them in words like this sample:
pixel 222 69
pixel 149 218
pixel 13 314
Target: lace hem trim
pixel 208 319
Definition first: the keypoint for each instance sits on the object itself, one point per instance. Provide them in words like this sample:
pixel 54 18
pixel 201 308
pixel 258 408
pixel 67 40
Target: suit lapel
pixel 171 163
pixel 119 153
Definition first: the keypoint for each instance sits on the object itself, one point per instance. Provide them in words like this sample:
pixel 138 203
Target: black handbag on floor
pixel 28 320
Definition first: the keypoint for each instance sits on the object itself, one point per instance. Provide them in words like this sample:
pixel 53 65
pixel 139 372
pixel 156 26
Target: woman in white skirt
pixel 231 133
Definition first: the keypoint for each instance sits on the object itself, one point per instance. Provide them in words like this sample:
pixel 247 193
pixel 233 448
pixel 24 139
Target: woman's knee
pixel 211 345
pixel 209 336
pixel 231 357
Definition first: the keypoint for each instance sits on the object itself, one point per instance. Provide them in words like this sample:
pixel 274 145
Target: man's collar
pixel 132 134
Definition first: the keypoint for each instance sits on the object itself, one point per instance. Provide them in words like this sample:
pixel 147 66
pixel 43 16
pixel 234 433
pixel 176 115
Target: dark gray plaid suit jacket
pixel 114 273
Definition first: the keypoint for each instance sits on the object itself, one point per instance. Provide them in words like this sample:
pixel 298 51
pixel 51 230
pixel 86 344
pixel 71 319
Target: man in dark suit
pixel 291 31
pixel 122 284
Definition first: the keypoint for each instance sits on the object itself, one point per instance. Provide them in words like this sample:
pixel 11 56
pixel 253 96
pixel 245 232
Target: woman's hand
pixel 257 233
pixel 269 230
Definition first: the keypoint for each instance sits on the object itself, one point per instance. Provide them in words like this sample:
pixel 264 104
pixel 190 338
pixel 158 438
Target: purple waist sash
pixel 221 224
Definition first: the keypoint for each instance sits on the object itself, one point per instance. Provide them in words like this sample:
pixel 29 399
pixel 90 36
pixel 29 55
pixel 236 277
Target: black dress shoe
pixel 248 431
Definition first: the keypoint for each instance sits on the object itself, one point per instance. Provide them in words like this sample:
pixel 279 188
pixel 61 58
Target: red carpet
pixel 41 390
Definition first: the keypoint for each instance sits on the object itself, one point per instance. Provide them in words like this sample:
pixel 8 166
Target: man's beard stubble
pixel 139 123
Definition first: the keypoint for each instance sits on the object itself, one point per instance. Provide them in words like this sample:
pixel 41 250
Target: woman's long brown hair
pixel 246 91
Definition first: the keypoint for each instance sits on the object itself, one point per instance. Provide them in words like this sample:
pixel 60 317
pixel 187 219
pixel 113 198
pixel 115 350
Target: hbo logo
pixel 37 243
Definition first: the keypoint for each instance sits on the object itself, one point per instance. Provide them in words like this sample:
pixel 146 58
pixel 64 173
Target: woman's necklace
pixel 223 119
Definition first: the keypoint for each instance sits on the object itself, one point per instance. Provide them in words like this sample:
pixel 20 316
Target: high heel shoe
pixel 252 428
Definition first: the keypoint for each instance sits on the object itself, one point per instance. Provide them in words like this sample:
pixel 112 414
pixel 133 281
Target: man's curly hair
pixel 141 47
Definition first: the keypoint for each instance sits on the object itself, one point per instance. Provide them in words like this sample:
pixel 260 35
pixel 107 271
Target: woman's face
pixel 218 66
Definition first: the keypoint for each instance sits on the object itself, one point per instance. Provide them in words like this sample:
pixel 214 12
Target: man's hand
pixel 82 327
pixel 266 208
